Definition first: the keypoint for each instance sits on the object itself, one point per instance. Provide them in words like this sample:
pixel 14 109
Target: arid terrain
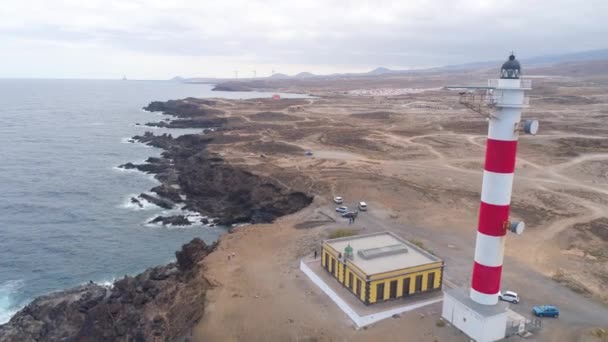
pixel 414 153
pixel 416 159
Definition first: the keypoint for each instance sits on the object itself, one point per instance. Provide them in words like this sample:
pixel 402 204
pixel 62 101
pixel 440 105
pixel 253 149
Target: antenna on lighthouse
pixel 236 74
pixel 254 73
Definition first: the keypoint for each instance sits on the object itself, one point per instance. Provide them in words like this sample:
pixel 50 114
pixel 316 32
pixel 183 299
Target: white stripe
pixel 489 250
pixel 502 124
pixel 483 298
pixel 509 83
pixel 496 188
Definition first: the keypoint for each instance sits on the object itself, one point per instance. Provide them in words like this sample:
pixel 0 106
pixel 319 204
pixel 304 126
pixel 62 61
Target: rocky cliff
pixel 208 183
pixel 160 304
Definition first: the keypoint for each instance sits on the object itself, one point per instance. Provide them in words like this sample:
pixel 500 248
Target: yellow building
pixel 381 266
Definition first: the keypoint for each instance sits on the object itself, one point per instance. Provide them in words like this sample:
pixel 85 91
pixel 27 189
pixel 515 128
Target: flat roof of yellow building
pixel 382 252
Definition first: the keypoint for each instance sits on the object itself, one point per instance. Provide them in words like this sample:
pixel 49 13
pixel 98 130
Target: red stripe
pixel 500 156
pixel 486 279
pixel 492 218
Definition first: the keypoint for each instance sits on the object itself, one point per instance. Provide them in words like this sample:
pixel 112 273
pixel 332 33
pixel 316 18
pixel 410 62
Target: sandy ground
pixel 262 296
pixel 416 158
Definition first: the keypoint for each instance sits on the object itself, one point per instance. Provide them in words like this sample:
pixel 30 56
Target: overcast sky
pixel 158 39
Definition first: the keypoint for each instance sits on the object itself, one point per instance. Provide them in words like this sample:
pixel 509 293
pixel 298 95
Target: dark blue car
pixel 546 311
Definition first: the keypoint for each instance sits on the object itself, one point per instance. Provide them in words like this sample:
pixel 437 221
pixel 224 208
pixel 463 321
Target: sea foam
pixel 145 205
pixel 192 216
pixel 8 305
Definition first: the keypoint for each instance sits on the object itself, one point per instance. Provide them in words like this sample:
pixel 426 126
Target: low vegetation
pixel 600 333
pixel 421 245
pixel 342 233
pixel 440 323
pixel 571 283
pixel 418 243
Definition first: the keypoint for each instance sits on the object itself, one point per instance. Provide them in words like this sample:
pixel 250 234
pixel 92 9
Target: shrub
pixel 342 233
pixel 600 333
pixel 571 283
pixel 421 245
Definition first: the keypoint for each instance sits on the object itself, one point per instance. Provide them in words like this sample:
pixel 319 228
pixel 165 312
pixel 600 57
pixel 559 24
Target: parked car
pixel 349 214
pixel 338 200
pixel 362 206
pixel 509 296
pixel 308 153
pixel 546 311
pixel 342 209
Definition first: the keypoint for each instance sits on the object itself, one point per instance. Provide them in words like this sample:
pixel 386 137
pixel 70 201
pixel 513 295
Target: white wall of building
pixel 476 326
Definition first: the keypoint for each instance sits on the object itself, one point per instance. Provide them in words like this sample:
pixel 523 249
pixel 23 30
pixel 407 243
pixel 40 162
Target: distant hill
pixel 594 55
pixel 304 75
pixel 538 61
pixel 380 71
pixel 279 75
pixel 546 60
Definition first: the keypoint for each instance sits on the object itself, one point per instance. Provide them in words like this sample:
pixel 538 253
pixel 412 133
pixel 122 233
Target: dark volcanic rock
pixel 137 202
pixel 163 203
pixel 128 166
pixel 188 108
pixel 168 192
pixel 228 86
pixel 214 187
pixel 190 123
pixel 160 141
pixel 177 220
pixel 233 194
pixel 152 165
pixel 160 304
pixel 190 254
pixel 223 190
pixel 211 185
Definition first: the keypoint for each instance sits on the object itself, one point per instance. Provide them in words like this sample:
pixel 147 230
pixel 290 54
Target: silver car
pixel 342 209
pixel 509 296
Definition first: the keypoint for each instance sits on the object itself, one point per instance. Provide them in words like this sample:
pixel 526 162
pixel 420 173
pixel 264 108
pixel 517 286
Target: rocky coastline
pixel 202 181
pixel 164 302
pixel 159 304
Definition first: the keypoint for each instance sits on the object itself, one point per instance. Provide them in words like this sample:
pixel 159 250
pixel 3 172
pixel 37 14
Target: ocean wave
pixel 193 217
pixel 127 141
pixel 121 169
pixel 150 176
pixel 149 111
pixel 109 283
pixel 145 205
pixel 8 304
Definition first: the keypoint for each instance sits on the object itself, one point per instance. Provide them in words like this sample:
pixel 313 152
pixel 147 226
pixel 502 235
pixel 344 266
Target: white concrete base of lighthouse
pixel 482 323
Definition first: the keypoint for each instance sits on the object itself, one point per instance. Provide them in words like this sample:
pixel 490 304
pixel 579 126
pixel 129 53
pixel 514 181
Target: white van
pixel 362 206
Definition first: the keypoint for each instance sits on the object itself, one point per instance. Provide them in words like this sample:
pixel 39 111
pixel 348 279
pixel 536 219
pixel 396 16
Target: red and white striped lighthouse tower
pixel 501 147
pixel 476 311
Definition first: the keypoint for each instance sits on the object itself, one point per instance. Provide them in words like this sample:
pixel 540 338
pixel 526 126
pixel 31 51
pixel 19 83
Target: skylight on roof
pixel 372 253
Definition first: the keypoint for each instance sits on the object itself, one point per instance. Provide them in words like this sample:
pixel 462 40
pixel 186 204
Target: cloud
pixel 156 39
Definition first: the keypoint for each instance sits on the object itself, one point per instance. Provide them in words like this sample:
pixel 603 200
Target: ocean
pixel 65 216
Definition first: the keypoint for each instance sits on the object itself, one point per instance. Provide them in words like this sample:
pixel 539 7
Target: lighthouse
pixel 477 312
pixel 508 97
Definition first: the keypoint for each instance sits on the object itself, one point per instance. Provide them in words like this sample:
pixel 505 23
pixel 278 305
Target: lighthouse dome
pixel 511 68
